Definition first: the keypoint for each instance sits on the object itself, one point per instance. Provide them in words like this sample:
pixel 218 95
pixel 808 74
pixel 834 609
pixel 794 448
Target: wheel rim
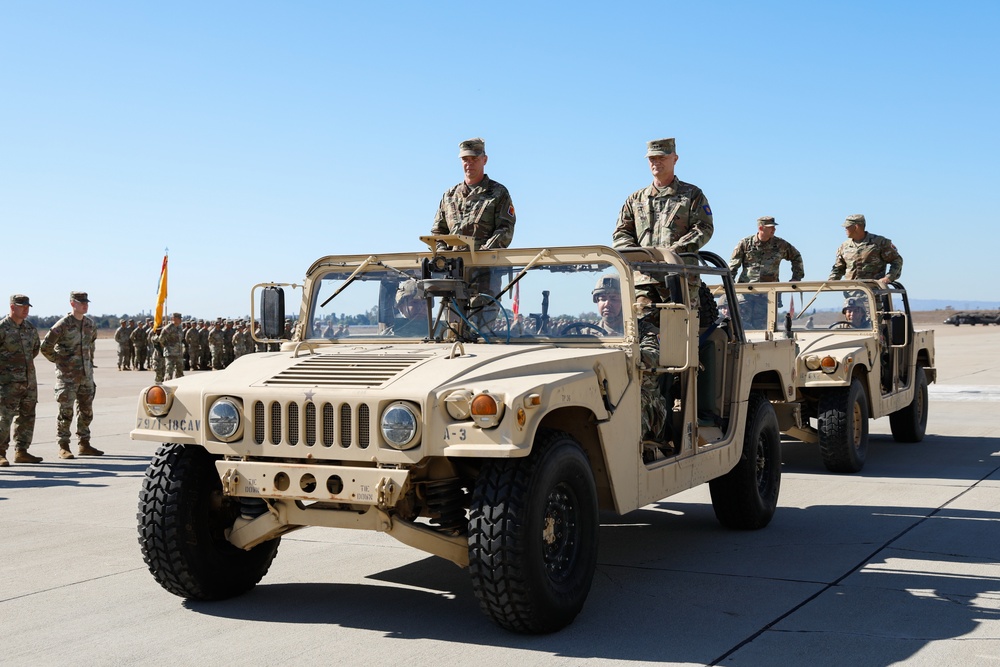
pixel 760 468
pixel 559 532
pixel 857 425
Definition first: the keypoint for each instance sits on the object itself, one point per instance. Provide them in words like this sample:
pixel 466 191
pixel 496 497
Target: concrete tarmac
pixel 899 564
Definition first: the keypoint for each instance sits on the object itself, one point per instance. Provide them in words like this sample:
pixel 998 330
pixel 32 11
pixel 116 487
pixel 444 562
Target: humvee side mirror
pixel 678 337
pixel 897 330
pixel 272 312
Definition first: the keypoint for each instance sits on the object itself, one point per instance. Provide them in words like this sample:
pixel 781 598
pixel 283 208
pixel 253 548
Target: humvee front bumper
pixel 309 482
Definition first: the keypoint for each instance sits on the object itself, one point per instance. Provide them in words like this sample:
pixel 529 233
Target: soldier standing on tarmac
pixel 173 348
pixel 193 339
pixel 19 345
pixel 70 345
pixel 140 339
pixel 121 338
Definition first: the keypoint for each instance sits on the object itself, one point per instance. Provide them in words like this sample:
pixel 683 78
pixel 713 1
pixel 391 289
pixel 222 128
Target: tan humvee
pixel 488 423
pixel 859 358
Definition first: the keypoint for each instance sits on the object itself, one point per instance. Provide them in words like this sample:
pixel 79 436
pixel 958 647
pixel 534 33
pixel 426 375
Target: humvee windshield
pixel 499 304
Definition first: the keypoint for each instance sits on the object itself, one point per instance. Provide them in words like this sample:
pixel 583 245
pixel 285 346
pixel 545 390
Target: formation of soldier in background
pixel 182 345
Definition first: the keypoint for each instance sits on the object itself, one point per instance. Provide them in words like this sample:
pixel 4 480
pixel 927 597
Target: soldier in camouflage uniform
pixel 193 339
pixel 241 340
pixel 760 256
pixel 216 346
pixel 19 346
pixel 70 345
pixel 121 337
pixel 669 213
pixel 478 206
pixel 157 362
pixel 227 344
pixel 205 362
pixel 173 348
pixel 607 295
pixel 140 339
pixel 654 403
pixel 863 256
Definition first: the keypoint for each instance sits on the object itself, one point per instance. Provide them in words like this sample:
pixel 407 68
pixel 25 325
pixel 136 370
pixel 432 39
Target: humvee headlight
pixel 157 400
pixel 487 409
pixel 400 426
pixel 224 419
pixel 828 364
pixel 459 404
pixel 812 362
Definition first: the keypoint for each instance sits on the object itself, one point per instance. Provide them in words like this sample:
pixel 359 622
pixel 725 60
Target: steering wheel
pixel 579 329
pixel 842 324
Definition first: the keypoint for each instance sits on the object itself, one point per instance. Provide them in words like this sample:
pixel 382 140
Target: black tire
pixel 910 423
pixel 533 528
pixel 745 498
pixel 843 428
pixel 182 519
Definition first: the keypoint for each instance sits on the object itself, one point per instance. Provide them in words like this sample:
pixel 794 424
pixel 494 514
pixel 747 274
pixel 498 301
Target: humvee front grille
pixel 346 370
pixel 295 425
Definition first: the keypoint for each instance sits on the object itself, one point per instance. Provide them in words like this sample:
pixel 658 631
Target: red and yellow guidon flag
pixel 161 295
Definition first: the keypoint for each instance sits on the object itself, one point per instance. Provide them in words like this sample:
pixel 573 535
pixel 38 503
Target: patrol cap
pixel 766 221
pixel 606 285
pixel 176 316
pixel 660 147
pixel 19 300
pixel 472 147
pixel 853 302
pixel 856 219
pixel 80 297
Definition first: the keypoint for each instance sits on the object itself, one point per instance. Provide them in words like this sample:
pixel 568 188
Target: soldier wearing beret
pixel 70 345
pixel 669 212
pixel 863 256
pixel 478 206
pixel 19 346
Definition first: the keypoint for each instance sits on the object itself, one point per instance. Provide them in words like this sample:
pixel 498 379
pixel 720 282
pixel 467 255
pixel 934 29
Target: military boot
pixel 3 459
pixel 87 450
pixel 22 456
pixel 64 452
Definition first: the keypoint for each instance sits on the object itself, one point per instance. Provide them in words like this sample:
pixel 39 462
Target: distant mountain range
pixel 942 304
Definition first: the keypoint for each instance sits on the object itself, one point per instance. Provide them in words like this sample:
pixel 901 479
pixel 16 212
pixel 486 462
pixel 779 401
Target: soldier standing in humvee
pixel 478 206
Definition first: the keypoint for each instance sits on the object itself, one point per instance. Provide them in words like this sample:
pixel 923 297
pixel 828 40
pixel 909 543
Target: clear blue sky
pixel 253 137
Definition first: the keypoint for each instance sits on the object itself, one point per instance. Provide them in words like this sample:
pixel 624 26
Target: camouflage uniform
pixel 173 349
pixel 241 342
pixel 156 358
pixel 205 363
pixel 227 344
pixel 19 345
pixel 140 339
pixel 484 210
pixel 654 404
pixel 677 216
pixel 761 262
pixel 122 338
pixel 761 259
pixel 866 259
pixel 70 345
pixel 193 339
pixel 215 345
